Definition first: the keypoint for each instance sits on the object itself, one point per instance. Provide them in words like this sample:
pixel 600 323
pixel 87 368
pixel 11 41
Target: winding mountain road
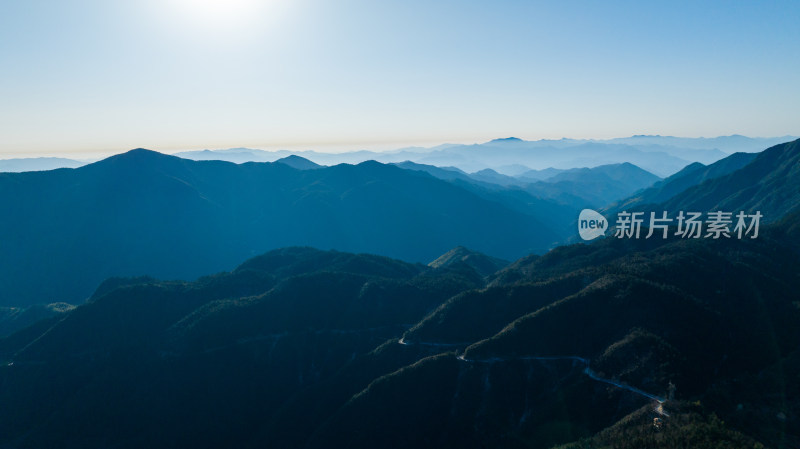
pixel 588 370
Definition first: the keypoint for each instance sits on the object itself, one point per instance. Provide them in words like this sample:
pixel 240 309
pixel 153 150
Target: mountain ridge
pixel 141 213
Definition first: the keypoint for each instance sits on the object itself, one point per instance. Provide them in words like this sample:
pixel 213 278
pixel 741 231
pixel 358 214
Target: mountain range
pixel 593 187
pixel 661 155
pixel 691 175
pixel 576 188
pixel 307 348
pixel 768 182
pixel 144 213
pixel 139 213
pixel 17 165
pixel 618 343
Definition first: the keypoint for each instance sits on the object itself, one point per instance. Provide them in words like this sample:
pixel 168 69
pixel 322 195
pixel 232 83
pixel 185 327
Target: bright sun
pixel 221 13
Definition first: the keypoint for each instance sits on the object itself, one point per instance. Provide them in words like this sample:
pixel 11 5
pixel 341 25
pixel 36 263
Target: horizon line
pixel 340 148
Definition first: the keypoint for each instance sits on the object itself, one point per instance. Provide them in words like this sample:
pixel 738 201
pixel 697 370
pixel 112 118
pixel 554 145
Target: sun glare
pixel 221 13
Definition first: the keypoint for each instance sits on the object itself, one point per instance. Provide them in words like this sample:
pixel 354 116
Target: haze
pixel 92 76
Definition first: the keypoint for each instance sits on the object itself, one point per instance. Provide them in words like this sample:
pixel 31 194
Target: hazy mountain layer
pixel 688 177
pixel 144 213
pixel 37 164
pixel 767 182
pixel 593 187
pixel 662 155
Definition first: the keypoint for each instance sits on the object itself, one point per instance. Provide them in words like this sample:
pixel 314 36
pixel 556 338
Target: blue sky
pixel 82 76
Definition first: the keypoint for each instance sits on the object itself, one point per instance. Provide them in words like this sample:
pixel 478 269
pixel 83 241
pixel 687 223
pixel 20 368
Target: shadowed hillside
pixel 766 182
pixel 618 343
pixel 302 348
pixel 688 177
pixel 144 213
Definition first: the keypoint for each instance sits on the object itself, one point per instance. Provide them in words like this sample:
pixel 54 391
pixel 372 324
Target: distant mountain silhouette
pixel 750 182
pixel 512 169
pixel 298 162
pixel 690 176
pixel 662 155
pixel 235 155
pixel 575 188
pixel 770 183
pixel 37 164
pixel 446 173
pixel 730 144
pixel 507 140
pixel 539 175
pixel 593 187
pixel 145 213
pixel 564 154
pixel 491 176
